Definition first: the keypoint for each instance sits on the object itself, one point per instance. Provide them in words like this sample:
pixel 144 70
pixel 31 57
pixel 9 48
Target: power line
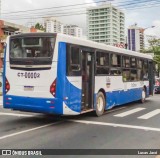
pixel 71 14
pixel 78 12
pixel 53 7
pixel 35 10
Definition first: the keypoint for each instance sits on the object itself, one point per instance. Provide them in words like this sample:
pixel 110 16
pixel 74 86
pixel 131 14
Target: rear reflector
pixel 53 88
pixel 7 86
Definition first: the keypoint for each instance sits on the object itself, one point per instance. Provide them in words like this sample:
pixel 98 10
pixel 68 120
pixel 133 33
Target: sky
pixel 145 17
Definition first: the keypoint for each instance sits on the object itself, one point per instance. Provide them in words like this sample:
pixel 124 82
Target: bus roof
pixel 88 43
pixel 101 46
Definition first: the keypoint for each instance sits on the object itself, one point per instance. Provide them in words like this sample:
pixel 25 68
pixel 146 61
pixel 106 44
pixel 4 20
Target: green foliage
pixel 39 27
pixel 155 48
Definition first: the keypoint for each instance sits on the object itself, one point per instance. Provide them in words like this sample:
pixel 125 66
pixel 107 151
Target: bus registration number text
pixel 29 75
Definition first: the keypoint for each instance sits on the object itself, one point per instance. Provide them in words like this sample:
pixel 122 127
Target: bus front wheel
pixel 100 106
pixel 143 99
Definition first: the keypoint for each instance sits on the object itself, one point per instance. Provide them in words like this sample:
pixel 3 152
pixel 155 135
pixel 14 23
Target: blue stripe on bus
pixel 74 95
pixel 40 105
pixel 117 98
pixel 4 73
pixel 64 88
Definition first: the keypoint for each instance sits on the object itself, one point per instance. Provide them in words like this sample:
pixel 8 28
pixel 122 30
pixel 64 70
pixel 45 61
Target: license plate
pixel 28 88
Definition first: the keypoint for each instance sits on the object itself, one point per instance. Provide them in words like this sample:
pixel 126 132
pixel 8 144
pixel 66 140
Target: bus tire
pixel 100 104
pixel 143 99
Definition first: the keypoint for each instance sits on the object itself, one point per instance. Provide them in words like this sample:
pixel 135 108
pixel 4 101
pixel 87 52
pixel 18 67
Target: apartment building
pixel 135 38
pixel 73 30
pixel 106 24
pixel 52 25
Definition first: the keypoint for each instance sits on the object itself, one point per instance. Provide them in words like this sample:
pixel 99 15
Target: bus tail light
pixel 53 88
pixel 7 86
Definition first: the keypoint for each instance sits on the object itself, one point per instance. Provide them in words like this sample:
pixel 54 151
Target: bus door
pixel 87 79
pixel 151 77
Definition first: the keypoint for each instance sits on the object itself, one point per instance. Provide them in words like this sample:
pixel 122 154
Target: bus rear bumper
pixel 30 104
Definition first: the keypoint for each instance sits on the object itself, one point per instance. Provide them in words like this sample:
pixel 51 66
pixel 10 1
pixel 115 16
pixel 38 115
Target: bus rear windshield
pixel 31 51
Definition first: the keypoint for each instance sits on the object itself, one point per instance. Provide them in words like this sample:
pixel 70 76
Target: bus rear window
pixel 31 47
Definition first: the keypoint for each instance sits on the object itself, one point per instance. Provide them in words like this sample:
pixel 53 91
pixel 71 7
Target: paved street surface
pixel 133 126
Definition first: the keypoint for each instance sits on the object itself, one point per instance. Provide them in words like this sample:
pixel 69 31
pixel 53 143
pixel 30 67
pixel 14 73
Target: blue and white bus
pixel 64 75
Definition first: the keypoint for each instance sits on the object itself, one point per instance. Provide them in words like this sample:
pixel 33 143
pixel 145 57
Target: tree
pixel 39 27
pixel 155 49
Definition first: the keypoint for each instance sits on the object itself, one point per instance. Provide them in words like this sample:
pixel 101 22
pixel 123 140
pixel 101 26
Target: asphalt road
pixel 132 126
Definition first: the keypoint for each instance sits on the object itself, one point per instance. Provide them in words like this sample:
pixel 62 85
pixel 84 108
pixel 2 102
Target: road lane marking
pixel 14 114
pixel 29 130
pixel 114 110
pixel 129 112
pixel 150 114
pixel 116 125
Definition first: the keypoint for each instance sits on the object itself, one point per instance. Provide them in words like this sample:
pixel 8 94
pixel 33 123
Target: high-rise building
pixel 73 30
pixel 105 24
pixel 135 38
pixel 52 25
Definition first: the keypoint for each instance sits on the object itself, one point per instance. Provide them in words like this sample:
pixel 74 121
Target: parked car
pixel 157 85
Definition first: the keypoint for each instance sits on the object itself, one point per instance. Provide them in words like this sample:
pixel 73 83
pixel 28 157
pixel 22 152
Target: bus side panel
pixel 119 92
pixel 117 98
pixel 66 90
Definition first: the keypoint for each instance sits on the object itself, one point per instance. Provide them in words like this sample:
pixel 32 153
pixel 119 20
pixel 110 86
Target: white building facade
pixel 106 24
pixel 135 38
pixel 73 30
pixel 52 25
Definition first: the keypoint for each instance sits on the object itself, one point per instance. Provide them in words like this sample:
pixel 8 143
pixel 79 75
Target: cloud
pixel 154 31
pixel 143 17
pixel 29 1
pixel 18 5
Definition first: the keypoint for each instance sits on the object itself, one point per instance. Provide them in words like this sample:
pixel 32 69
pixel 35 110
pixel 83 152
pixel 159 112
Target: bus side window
pixel 115 64
pixel 126 75
pixel 139 69
pixel 145 70
pixel 126 68
pixel 102 63
pixel 73 55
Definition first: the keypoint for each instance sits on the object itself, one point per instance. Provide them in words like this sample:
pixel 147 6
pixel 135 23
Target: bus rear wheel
pixel 143 99
pixel 100 106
